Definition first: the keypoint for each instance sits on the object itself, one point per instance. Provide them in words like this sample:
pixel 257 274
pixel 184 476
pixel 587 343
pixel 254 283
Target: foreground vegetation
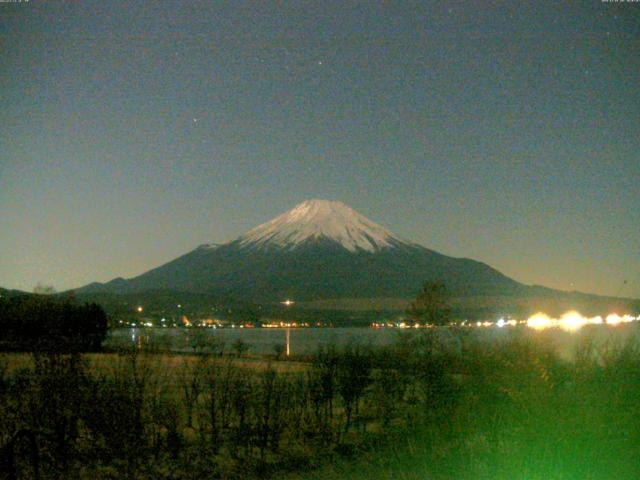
pixel 46 324
pixel 521 413
pixel 430 406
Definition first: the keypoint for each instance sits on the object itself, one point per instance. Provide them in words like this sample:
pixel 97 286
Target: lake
pixel 262 341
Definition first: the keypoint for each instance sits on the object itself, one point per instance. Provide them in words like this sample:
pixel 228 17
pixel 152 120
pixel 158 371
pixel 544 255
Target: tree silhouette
pixel 40 323
pixel 43 289
pixel 431 305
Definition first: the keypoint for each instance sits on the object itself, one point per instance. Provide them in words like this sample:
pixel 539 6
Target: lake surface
pixel 262 341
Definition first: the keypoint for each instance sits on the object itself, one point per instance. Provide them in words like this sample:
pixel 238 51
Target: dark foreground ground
pixel 414 410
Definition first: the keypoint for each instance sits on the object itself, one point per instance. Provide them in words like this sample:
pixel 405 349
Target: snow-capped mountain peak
pixel 321 219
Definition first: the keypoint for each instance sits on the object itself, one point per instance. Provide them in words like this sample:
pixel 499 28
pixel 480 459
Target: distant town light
pixel 139 309
pixel 572 321
pixel 539 321
pixel 614 319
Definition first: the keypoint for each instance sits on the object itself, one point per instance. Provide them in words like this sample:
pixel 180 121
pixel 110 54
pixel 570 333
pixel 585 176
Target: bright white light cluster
pixel 572 321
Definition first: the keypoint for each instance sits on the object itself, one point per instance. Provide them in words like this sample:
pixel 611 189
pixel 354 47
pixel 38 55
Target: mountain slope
pixel 318 250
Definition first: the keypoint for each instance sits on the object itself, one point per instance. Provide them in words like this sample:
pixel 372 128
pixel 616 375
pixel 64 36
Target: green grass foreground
pixel 424 408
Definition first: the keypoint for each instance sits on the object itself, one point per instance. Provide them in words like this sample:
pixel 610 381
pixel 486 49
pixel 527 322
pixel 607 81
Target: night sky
pixel 507 132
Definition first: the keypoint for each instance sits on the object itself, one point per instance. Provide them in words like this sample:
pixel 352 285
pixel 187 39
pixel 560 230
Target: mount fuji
pixel 319 250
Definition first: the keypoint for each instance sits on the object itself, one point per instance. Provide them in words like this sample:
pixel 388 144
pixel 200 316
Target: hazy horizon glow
pixel 507 133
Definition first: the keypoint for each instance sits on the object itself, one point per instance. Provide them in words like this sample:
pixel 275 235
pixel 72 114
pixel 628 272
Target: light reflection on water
pixel 307 340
